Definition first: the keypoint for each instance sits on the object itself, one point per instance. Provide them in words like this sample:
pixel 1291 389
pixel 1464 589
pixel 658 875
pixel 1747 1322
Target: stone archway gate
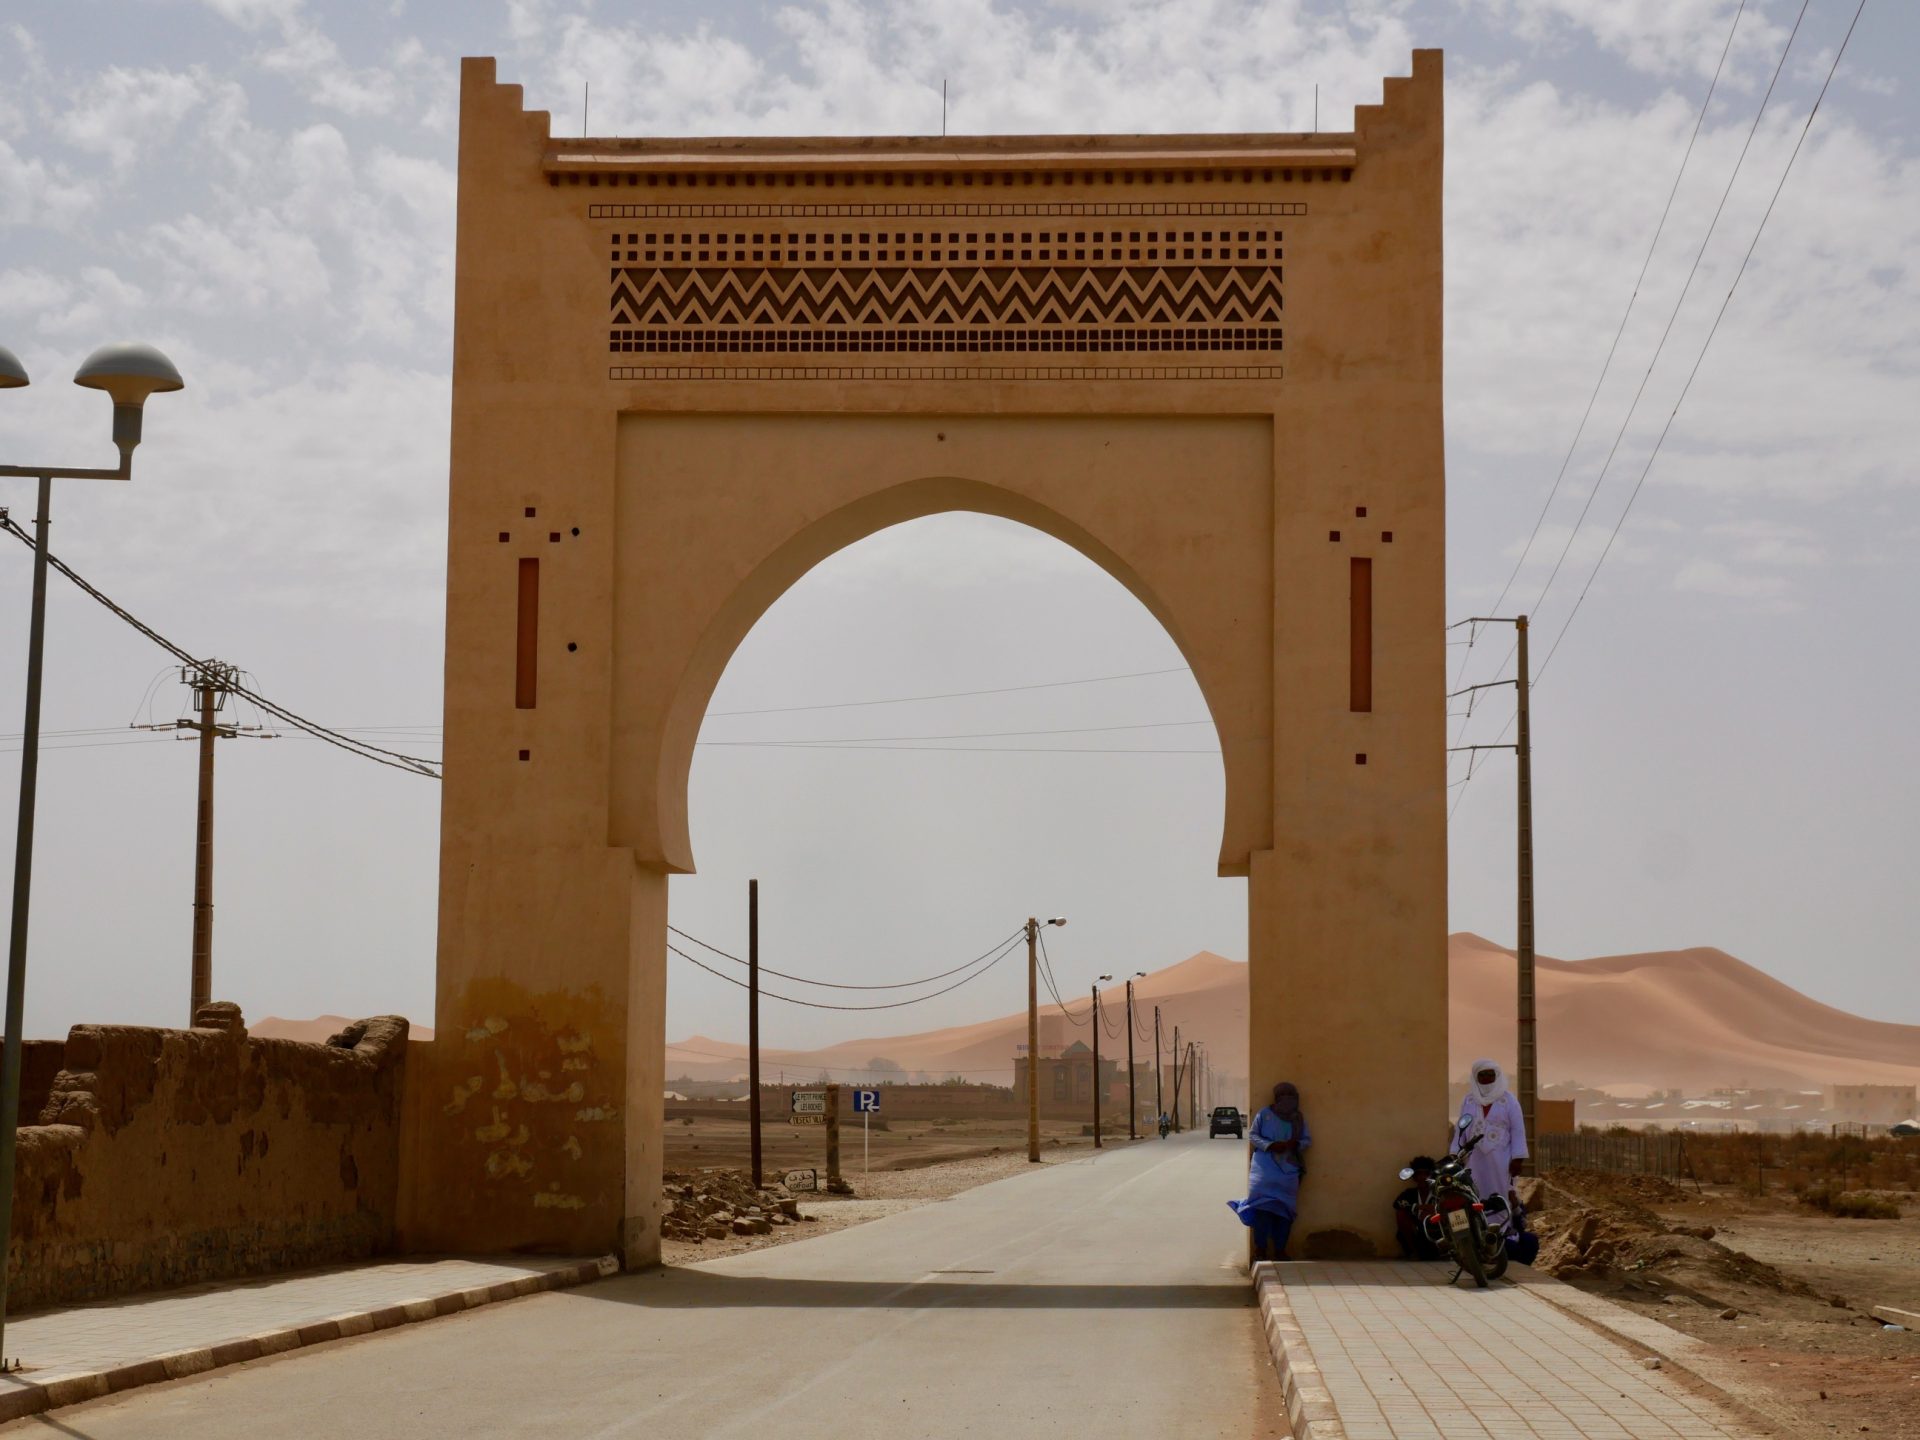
pixel 685 371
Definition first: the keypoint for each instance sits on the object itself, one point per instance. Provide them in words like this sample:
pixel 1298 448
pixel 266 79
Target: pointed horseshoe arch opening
pixel 687 370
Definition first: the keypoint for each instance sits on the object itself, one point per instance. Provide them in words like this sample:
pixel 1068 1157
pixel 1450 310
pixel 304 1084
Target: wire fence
pixel 1647 1152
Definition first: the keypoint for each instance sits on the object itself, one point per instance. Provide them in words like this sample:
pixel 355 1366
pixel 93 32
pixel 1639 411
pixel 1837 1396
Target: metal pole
pixel 201 990
pixel 1174 1114
pixel 834 1183
pixel 1193 1089
pixel 1528 1057
pixel 1133 1108
pixel 1033 1041
pixel 1094 1015
pixel 22 887
pixel 753 1025
pixel 1159 1100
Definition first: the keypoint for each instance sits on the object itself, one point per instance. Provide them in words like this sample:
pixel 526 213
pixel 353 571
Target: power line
pixel 951 694
pixel 1712 331
pixel 392 758
pixel 966 749
pixel 1719 315
pixel 1005 951
pixel 802 1058
pixel 969 734
pixel 1640 279
pixel 1606 366
pixel 836 985
pixel 1679 303
pixel 1053 986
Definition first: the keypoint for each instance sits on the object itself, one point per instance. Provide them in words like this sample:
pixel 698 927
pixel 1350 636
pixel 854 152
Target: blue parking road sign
pixel 866 1102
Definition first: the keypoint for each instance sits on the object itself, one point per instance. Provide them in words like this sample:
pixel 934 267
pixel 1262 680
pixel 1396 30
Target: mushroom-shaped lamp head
pixel 129 373
pixel 12 373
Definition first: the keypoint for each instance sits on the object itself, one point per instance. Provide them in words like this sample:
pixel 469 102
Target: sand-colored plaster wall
pixel 171 1157
pixel 667 504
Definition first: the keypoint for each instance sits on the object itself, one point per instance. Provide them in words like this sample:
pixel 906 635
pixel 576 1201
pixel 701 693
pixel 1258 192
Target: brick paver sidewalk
pixel 82 1351
pixel 1387 1351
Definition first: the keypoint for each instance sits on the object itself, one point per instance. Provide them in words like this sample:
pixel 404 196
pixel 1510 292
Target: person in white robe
pixel 1491 1112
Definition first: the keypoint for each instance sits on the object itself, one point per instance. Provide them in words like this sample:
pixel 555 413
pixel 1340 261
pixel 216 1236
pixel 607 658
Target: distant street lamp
pixel 1094 1015
pixel 1033 1036
pixel 1133 1108
pixel 129 374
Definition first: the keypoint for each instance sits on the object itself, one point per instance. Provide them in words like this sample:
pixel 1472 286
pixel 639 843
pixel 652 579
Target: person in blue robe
pixel 1279 1140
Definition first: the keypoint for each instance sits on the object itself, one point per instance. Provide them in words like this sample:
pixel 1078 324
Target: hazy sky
pixel 1726 746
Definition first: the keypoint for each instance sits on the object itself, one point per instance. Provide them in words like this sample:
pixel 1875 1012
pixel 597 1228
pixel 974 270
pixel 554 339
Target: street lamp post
pixel 1033 1035
pixel 128 373
pixel 1093 1013
pixel 1133 1107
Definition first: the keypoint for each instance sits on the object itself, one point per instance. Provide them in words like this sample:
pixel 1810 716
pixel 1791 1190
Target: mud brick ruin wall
pixel 171 1157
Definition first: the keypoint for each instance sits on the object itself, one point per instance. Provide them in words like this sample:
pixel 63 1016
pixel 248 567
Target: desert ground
pixel 1781 1292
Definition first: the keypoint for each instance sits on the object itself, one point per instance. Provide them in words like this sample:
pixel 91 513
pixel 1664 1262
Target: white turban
pixel 1494 1089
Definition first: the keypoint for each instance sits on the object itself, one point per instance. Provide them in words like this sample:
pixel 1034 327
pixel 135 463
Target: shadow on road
pixel 677 1289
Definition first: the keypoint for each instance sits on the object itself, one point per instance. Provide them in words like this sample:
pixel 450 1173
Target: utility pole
pixel 1094 1013
pixel 1033 1041
pixel 835 1185
pixel 1193 1089
pixel 1174 1114
pixel 1528 1056
pixel 1159 1100
pixel 1033 1035
pixel 1133 1105
pixel 753 1024
pixel 211 681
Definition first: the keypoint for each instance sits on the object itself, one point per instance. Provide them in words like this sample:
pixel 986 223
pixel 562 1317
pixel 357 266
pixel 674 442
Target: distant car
pixel 1227 1121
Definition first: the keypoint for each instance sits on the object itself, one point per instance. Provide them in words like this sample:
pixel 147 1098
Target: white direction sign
pixel 809 1102
pixel 866 1102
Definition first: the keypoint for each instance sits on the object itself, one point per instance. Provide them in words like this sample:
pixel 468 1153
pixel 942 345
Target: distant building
pixel 1067 1080
pixel 1871 1104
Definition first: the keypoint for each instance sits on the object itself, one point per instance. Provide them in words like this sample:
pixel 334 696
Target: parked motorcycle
pixel 1457 1219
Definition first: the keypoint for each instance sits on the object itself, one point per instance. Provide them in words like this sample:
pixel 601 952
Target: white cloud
pixel 253 261
pixel 1712 577
pixel 122 114
pixel 35 193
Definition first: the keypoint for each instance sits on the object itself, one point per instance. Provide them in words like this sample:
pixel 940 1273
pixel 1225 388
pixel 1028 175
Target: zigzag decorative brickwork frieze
pixel 1187 284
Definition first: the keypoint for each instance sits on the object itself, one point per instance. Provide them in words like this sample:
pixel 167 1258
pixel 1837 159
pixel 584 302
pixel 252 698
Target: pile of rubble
pixel 1594 1232
pixel 715 1204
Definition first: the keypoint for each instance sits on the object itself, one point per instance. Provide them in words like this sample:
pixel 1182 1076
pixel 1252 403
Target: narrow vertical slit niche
pixel 1360 619
pixel 526 661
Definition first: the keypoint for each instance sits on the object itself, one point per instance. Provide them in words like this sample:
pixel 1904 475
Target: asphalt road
pixel 1098 1296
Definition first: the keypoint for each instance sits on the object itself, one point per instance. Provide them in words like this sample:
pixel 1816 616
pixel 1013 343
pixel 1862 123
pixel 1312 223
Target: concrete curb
pixel 1310 1408
pixel 21 1396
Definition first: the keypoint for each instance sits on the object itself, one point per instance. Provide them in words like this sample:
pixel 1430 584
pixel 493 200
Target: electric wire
pixel 856 1069
pixel 1712 331
pixel 968 734
pixel 1607 365
pixel 822 1005
pixel 1699 358
pixel 413 764
pixel 1046 972
pixel 838 985
pixel 1680 303
pixel 950 695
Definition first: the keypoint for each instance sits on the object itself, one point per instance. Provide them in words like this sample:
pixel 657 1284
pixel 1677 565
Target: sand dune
pixel 1687 1019
pixel 317 1030
pixel 1692 1020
